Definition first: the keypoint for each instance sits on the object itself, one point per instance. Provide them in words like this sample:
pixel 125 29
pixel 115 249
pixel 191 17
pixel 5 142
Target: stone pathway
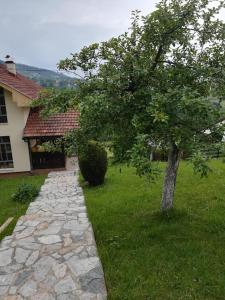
pixel 52 253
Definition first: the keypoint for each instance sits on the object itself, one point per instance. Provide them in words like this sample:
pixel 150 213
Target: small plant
pixel 93 163
pixel 25 193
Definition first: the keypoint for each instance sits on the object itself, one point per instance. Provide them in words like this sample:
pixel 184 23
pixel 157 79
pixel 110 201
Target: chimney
pixel 10 65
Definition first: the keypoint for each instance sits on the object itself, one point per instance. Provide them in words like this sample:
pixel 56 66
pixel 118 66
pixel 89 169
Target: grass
pixel 147 255
pixel 9 208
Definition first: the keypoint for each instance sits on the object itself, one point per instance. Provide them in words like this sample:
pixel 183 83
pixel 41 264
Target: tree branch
pixel 165 36
pixel 175 64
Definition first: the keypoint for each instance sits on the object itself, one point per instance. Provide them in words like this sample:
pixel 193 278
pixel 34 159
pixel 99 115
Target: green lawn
pixel 9 208
pixel 149 256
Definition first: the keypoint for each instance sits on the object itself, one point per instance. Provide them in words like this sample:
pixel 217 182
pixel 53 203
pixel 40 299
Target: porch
pixel 42 159
pixel 39 130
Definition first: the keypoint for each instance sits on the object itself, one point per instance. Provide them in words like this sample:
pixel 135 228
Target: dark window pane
pixel 3 113
pixel 8 147
pixel 3 119
pixel 9 164
pixel 5 165
pixel 6 139
pixel 6 159
pixel 3 110
pixel 2 100
pixel 9 156
pixel 2 165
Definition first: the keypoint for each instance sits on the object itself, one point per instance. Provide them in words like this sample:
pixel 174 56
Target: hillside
pixel 44 77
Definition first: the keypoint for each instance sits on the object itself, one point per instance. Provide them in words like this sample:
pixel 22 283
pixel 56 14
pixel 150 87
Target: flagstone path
pixel 52 253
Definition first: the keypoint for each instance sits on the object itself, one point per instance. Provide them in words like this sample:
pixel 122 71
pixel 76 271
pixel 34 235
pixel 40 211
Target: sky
pixel 41 32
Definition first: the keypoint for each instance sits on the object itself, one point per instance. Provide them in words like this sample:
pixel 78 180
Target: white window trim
pixel 6 170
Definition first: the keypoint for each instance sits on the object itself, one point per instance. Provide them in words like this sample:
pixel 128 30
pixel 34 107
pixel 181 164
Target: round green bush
pixel 25 192
pixel 93 163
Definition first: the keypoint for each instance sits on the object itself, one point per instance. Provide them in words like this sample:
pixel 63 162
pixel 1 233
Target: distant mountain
pixel 44 77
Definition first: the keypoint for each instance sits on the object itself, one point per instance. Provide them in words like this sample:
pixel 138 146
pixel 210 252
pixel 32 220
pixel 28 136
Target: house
pixel 22 130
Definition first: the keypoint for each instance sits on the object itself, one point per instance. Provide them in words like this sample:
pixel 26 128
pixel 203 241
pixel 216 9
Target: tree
pixel 160 83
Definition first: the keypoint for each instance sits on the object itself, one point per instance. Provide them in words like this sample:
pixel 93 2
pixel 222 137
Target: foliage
pixel 67 144
pixel 140 159
pixel 55 101
pixel 163 79
pixel 93 162
pixel 25 192
pixel 200 164
pixel 121 144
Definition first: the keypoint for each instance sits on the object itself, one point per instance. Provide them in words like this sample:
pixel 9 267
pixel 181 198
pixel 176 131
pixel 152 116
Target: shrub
pixel 25 193
pixel 92 160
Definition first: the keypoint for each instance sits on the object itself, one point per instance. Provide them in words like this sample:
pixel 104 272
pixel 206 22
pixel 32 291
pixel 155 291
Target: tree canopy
pixel 159 84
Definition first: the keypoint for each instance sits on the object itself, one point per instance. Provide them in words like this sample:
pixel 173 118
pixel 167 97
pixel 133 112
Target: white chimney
pixel 10 65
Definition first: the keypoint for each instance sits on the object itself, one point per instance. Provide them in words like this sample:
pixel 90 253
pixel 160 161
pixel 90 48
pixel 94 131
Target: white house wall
pixel 17 117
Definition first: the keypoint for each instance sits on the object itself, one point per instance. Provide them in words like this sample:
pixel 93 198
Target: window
pixel 6 159
pixel 3 114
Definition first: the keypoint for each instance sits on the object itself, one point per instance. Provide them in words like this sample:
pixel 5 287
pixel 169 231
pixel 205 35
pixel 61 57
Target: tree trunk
pixel 174 157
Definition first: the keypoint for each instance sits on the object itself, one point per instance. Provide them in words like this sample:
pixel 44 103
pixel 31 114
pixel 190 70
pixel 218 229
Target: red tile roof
pixel 56 125
pixel 19 83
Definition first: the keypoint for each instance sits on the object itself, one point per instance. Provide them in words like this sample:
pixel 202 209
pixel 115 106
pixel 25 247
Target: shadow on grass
pixel 172 215
pixel 86 185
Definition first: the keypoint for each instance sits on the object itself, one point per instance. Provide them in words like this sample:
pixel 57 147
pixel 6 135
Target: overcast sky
pixel 41 32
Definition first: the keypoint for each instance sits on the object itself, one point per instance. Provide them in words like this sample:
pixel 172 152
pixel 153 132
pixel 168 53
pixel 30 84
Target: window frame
pixel 3 107
pixel 7 162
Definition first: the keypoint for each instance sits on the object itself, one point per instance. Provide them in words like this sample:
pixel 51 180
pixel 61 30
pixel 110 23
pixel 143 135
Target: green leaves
pixel 56 101
pixel 200 164
pixel 160 117
pixel 140 158
pixel 25 192
pixel 162 80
